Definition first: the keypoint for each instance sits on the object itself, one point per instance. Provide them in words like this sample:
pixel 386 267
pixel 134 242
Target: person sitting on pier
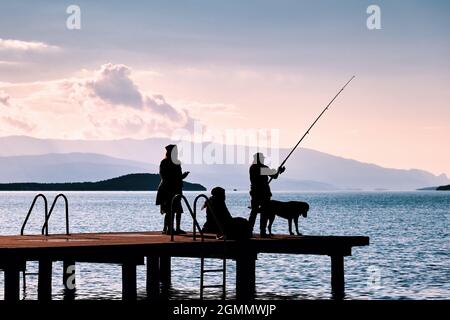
pixel 220 221
pixel 260 191
pixel 171 185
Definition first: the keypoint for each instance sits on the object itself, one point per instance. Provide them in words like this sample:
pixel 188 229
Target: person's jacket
pixel 171 181
pixel 259 180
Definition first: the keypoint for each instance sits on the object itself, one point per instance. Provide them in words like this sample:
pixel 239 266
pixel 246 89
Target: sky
pixel 145 69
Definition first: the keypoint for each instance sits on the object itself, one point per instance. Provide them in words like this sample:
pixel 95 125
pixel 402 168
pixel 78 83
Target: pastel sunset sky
pixel 141 69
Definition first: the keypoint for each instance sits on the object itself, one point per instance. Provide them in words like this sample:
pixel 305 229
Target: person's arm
pixel 185 174
pixel 227 213
pixel 277 172
pixel 266 171
pixel 256 172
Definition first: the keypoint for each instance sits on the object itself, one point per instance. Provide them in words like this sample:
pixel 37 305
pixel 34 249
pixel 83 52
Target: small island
pixel 444 188
pixel 130 182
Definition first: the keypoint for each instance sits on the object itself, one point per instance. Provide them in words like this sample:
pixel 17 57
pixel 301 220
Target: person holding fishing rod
pixel 259 177
pixel 260 191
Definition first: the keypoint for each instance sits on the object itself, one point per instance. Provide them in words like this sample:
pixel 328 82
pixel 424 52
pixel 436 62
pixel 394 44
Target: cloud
pixel 101 104
pixel 7 63
pixel 23 126
pixel 158 104
pixel 4 98
pixel 19 45
pixel 113 84
pixel 190 123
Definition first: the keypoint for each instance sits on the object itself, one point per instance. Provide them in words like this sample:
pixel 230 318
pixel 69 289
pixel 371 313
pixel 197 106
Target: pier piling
pixel 12 282
pixel 153 276
pixel 165 266
pixel 69 279
pixel 245 277
pixel 45 280
pixel 129 292
pixel 337 276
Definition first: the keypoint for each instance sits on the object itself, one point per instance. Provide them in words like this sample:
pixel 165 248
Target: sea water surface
pixel 408 256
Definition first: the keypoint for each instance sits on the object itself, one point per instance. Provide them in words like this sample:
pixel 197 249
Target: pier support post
pixel 12 282
pixel 45 280
pixel 245 277
pixel 153 276
pixel 69 279
pixel 165 267
pixel 337 276
pixel 129 281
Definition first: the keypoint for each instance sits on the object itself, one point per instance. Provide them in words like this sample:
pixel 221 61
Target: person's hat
pixel 258 156
pixel 170 147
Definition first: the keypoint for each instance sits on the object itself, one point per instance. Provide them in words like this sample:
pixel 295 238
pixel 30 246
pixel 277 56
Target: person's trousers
pixel 169 224
pixel 259 206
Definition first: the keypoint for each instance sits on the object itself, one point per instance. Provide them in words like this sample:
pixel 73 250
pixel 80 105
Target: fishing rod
pixel 317 119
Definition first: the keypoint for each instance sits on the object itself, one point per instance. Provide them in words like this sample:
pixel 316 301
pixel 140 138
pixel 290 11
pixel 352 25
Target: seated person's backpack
pixel 238 229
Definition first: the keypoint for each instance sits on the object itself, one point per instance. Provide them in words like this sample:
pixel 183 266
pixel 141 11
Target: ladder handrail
pixel 208 204
pixel 40 195
pixel 47 218
pixel 182 197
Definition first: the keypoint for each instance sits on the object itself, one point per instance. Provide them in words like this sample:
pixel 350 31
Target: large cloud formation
pixel 106 104
pixel 113 84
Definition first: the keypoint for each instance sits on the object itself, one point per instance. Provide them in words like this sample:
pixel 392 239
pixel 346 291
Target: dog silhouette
pixel 290 210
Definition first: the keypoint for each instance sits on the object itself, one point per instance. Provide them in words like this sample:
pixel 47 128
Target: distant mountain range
pixel 70 167
pixel 443 188
pixel 130 182
pixel 26 159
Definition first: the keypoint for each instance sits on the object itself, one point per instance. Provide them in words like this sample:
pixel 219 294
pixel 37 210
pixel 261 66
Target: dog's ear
pixel 306 206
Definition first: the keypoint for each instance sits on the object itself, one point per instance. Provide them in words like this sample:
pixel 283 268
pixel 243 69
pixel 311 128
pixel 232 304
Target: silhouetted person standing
pixel 260 191
pixel 171 185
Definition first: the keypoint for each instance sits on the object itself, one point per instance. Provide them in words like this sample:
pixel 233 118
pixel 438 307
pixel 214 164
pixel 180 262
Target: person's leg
pixel 164 218
pixel 162 210
pixel 253 213
pixel 178 217
pixel 263 223
pixel 265 207
pixel 177 211
pixel 166 223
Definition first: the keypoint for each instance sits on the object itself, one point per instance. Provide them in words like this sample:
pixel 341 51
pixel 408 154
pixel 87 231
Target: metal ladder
pixel 222 270
pixel 44 230
pixel 66 206
pixel 196 227
pixel 22 231
pixel 36 198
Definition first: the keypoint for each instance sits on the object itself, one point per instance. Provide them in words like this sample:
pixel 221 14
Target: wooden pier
pixel 132 249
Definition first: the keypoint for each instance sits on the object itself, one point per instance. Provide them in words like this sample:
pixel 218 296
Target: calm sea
pixel 408 256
